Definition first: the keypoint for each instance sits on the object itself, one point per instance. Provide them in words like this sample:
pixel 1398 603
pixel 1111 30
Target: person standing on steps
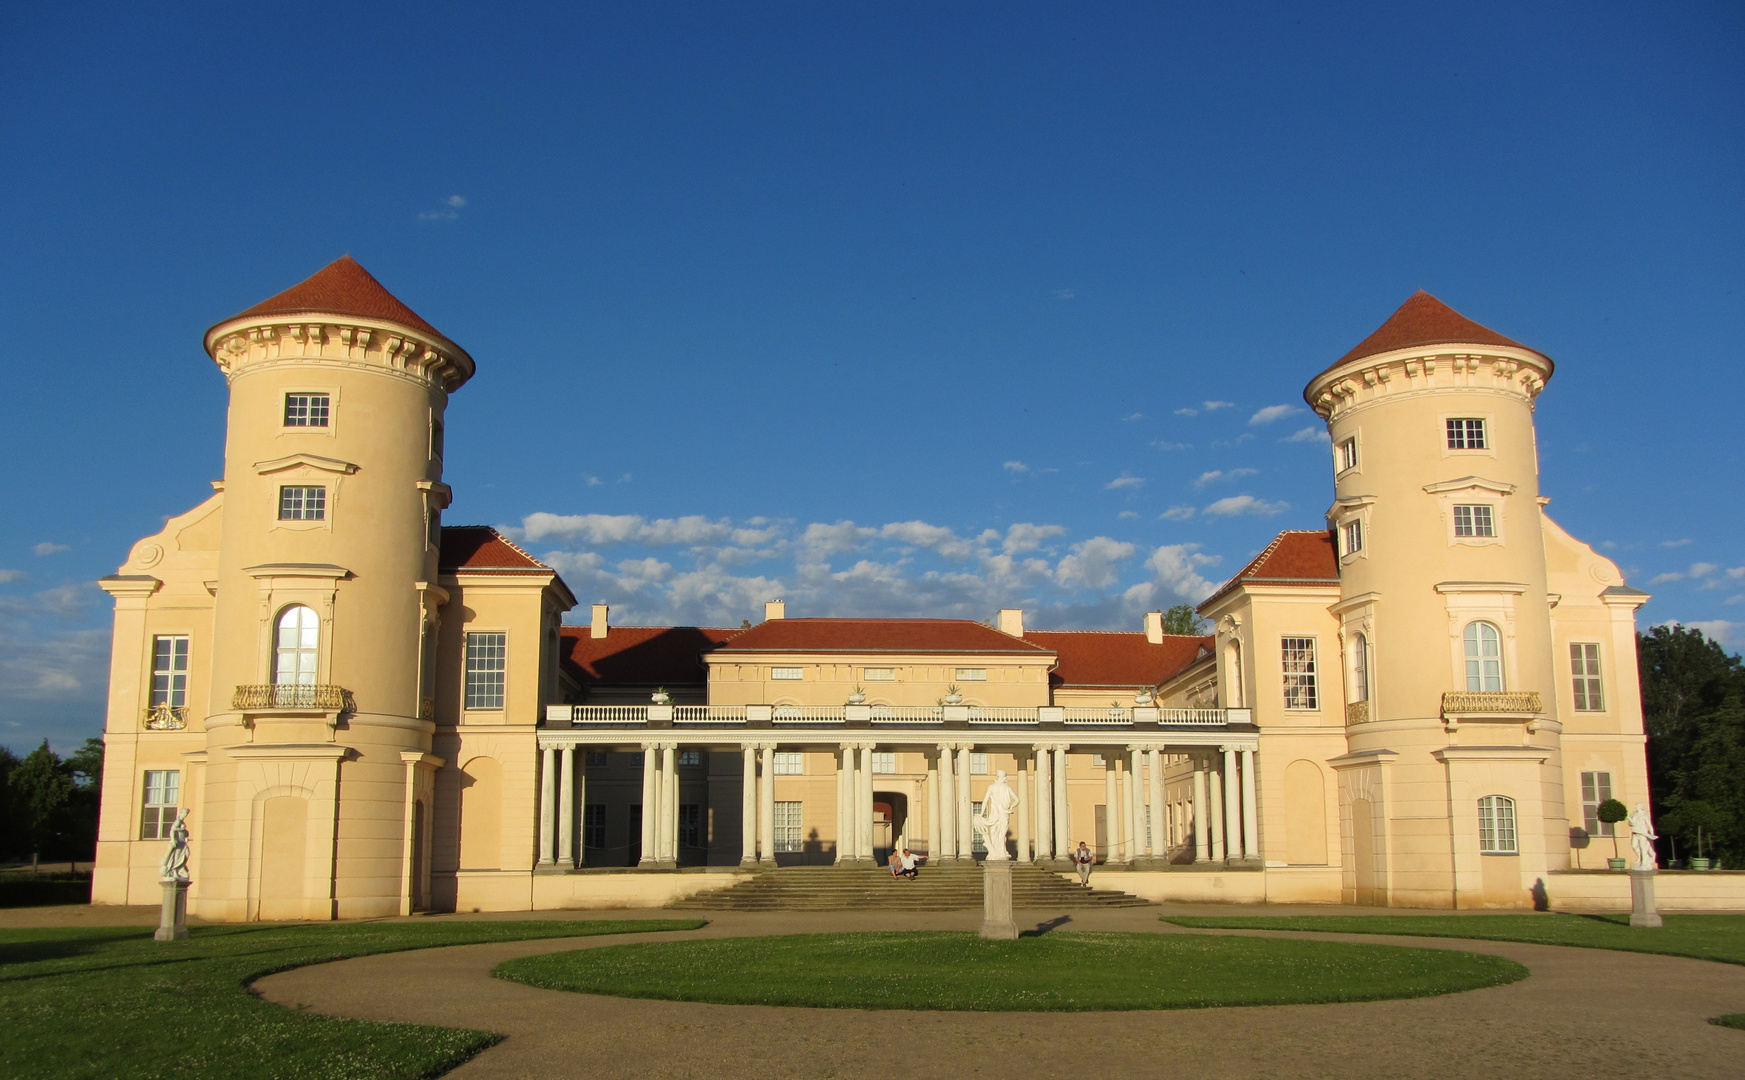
pixel 1082 858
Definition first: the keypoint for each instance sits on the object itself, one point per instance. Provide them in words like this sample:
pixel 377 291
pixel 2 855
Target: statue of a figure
pixel 1642 837
pixel 175 864
pixel 997 807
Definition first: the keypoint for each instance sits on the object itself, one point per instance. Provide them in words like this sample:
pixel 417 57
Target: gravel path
pixel 1583 1013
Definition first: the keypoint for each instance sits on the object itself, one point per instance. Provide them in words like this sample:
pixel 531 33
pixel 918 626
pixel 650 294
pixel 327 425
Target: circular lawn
pixel 1055 972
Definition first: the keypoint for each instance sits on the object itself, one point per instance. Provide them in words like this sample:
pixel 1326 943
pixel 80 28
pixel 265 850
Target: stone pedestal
pixel 997 922
pixel 1642 911
pixel 173 924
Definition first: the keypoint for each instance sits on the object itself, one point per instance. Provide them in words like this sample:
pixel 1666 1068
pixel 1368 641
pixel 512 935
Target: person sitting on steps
pixel 910 865
pixel 1082 858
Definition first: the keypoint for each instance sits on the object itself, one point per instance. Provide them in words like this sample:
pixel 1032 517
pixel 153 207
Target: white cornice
pixel 325 464
pixel 293 570
pixel 1468 483
pixel 1492 588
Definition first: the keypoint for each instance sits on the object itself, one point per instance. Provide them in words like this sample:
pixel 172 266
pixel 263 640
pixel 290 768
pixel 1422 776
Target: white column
pixel 844 757
pixel 935 842
pixel 1232 805
pixel 1062 809
pixel 1026 799
pixel 947 803
pixel 1044 804
pixel 1215 806
pixel 865 808
pixel 547 803
pixel 582 809
pixel 1250 808
pixel 1159 822
pixel 1202 823
pixel 748 808
pixel 566 806
pixel 1136 841
pixel 650 802
pixel 966 837
pixel 1111 806
pixel 766 810
pixel 669 789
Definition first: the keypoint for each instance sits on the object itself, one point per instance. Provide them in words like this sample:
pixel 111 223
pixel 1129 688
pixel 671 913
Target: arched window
pixel 1496 826
pixel 299 634
pixel 1484 657
pixel 1360 669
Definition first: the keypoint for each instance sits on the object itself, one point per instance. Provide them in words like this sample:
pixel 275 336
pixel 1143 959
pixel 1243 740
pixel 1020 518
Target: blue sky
pixel 886 309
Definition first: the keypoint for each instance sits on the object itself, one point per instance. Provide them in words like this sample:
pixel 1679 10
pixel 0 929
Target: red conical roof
pixel 342 287
pixel 1425 320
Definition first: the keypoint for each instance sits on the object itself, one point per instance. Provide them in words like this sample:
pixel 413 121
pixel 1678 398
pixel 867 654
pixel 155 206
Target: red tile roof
pixel 641 655
pixel 342 287
pixel 480 547
pixel 1110 658
pixel 1295 557
pixel 877 635
pixel 1425 320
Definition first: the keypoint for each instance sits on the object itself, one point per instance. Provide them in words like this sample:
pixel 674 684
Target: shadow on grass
pixel 1045 927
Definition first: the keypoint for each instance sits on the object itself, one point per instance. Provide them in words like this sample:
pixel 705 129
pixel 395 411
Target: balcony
pixel 1491 705
pixel 313 698
pixel 864 716
pixel 166 717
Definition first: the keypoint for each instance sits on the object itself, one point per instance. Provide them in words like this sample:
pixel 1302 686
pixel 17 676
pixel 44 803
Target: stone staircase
pixel 942 888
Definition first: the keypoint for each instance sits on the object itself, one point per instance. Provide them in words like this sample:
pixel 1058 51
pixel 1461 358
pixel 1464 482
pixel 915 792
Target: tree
pixel 1611 812
pixel 11 843
pixel 1183 619
pixel 42 788
pixel 1693 707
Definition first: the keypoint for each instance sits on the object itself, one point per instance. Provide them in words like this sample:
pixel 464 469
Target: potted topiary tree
pixel 858 697
pixel 1611 812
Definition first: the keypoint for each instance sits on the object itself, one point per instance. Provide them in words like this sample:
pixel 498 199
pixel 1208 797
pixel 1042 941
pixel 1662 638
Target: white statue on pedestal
pixel 997 807
pixel 175 864
pixel 1642 837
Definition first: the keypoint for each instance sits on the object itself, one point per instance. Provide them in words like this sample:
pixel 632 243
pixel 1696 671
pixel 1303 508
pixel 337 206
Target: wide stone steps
pixel 945 888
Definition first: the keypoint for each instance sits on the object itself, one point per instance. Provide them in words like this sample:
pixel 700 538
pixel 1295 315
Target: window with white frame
pixel 880 674
pixel 163 792
pixel 1360 668
pixel 790 827
pixel 594 826
pixel 1584 666
pixel 1301 691
pixel 690 757
pixel 978 763
pixel 297 647
pixel 306 410
pixel 1353 535
pixel 972 674
pixel 1596 788
pixel 169 670
pixel 1348 454
pixel 1496 826
pixel 1484 658
pixel 884 761
pixel 302 504
pixel 1478 520
pixel 790 763
pixel 1467 433
pixel 787 673
pixel 487 665
pixel 980 844
pixel 690 825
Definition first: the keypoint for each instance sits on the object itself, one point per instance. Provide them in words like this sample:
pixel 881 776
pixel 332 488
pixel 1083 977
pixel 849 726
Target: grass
pixel 1055 972
pixel 1732 1020
pixel 112 1003
pixel 1704 937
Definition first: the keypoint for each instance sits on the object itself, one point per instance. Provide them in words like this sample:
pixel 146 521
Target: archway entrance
pixel 890 823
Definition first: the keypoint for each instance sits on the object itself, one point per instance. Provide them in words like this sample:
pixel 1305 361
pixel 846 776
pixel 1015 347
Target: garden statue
pixel 1642 837
pixel 997 807
pixel 175 864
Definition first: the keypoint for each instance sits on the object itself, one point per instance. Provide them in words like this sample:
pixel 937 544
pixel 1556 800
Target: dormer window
pixel 306 410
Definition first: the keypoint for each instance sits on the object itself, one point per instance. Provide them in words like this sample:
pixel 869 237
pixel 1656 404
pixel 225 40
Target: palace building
pixel 367 712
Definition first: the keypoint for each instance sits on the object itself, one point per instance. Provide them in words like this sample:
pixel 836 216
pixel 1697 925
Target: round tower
pixel 1446 643
pixel 319 721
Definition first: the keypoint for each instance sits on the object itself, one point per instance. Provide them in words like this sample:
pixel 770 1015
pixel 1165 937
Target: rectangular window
pixel 1596 788
pixel 978 763
pixel 790 828
pixel 1299 672
pixel 980 845
pixel 435 439
pixel 487 661
pixel 1348 454
pixel 594 826
pixel 1474 521
pixel 1466 433
pixel 306 410
pixel 163 790
pixel 302 504
pixel 884 761
pixel 881 674
pixel 1496 826
pixel 1584 665
pixel 790 763
pixel 596 758
pixel 972 674
pixel 636 758
pixel 690 757
pixel 789 673
pixel 169 671
pixel 1353 537
pixel 690 825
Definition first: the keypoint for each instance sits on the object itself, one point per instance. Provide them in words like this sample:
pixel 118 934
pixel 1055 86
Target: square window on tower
pixel 306 410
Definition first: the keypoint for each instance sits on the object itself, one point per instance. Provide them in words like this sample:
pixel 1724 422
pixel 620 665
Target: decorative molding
pixel 1469 483
pixel 313 461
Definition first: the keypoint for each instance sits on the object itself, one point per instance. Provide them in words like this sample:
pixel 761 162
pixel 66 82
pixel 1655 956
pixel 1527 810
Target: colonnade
pixel 1222 815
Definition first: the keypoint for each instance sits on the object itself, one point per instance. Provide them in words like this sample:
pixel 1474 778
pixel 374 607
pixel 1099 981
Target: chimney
pixel 1154 627
pixel 774 609
pixel 1011 621
pixel 597 622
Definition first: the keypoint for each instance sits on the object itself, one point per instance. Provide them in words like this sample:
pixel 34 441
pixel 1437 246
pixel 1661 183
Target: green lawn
pixel 112 1003
pixel 1705 937
pixel 1052 972
pixel 1732 1020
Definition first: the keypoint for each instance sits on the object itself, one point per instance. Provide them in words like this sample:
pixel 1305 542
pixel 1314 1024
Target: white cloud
pixel 1025 537
pixel 1727 633
pixel 1312 433
pixel 1064 294
pixel 46 548
pixel 1174 576
pixel 1124 481
pixel 594 481
pixel 600 530
pixel 1237 505
pixel 1674 543
pixel 1273 412
pixel 1016 467
pixel 1220 474
pixel 1702 569
pixel 819 542
pixel 1125 514
pixel 1130 417
pixel 1187 412
pixel 1661 579
pixel 1214 406
pixel 450 209
pixel 1177 513
pixel 1165 444
pixel 1094 563
pixel 933 537
pixel 9 576
pixel 625 479
pixel 1736 572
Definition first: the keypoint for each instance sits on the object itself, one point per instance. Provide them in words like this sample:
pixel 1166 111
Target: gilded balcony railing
pixel 1479 702
pixel 165 717
pixel 1357 712
pixel 291 696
